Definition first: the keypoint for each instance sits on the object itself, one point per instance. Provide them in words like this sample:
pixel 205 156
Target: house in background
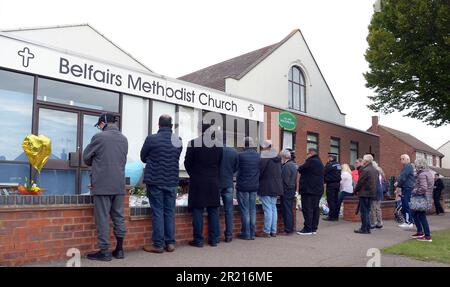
pixel 445 150
pixel 394 143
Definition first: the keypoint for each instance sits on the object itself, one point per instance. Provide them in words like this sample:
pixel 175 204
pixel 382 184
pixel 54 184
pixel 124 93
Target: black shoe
pixel 360 231
pixel 102 255
pixel 329 219
pixel 228 239
pixel 196 244
pixel 212 244
pixel 118 254
pixel 378 226
pixel 244 238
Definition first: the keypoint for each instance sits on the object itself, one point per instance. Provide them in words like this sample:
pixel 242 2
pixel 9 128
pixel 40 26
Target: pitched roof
pixel 443 145
pixel 411 140
pixel 445 172
pixel 214 76
pixel 79 25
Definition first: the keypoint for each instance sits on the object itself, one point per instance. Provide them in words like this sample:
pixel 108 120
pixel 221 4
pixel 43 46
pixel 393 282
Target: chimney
pixel 374 121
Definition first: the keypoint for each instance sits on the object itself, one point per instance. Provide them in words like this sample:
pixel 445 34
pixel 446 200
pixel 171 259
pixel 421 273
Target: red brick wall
pixel 350 206
pixel 325 130
pixel 391 149
pixel 42 233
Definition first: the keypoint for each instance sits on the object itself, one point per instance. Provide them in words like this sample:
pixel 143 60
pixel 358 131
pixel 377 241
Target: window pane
pixel 334 142
pixel 135 124
pixel 312 137
pixel 61 128
pixel 296 75
pixel 159 109
pixel 57 181
pixel 14 173
pixel 16 106
pixel 76 95
pixel 353 156
pixel 302 99
pixel 187 129
pixel 302 79
pixel 89 130
pixel 296 96
pixel 85 181
pixel 290 100
pixel 290 74
pixel 334 150
pixel 312 145
pixel 287 140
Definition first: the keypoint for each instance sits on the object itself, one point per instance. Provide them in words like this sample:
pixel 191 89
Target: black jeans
pixel 437 201
pixel 333 200
pixel 364 210
pixel 287 205
pixel 311 211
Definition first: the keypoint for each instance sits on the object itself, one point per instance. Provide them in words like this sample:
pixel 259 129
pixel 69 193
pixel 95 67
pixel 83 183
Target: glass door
pixel 70 132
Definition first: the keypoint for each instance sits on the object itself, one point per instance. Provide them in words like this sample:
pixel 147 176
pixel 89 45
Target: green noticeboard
pixel 288 121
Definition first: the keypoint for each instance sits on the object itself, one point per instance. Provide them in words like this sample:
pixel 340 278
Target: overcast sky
pixel 174 38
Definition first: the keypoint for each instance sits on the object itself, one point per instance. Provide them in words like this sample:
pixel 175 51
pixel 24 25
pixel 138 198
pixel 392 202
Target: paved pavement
pixel 334 245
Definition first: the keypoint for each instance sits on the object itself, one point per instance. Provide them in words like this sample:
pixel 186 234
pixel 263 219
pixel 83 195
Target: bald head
pixel 165 121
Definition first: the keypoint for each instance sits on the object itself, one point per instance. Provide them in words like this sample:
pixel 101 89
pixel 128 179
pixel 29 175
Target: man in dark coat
pixel 270 187
pixel 366 190
pixel 202 163
pixel 228 167
pixel 437 191
pixel 107 156
pixel 161 153
pixel 311 190
pixel 289 177
pixel 247 185
pixel 332 179
pixel 406 181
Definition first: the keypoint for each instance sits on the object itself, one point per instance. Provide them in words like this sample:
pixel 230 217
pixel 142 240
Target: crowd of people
pixel 267 175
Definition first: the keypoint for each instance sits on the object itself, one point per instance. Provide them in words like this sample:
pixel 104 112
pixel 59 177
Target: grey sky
pixel 174 38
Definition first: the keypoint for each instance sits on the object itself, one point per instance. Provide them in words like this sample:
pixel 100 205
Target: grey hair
pixel 285 154
pixel 378 168
pixel 368 158
pixel 421 163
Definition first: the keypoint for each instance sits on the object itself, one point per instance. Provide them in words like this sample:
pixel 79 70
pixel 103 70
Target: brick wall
pixel 40 233
pixel 351 204
pixel 391 149
pixel 325 130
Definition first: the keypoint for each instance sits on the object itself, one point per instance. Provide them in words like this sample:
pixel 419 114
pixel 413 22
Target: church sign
pixel 287 121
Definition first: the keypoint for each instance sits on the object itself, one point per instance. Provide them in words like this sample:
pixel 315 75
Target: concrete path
pixel 334 245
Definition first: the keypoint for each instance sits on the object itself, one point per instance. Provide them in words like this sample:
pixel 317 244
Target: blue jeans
pixel 269 204
pixel 227 199
pixel 420 219
pixel 162 202
pixel 213 224
pixel 247 205
pixel 341 197
pixel 406 198
pixel 364 209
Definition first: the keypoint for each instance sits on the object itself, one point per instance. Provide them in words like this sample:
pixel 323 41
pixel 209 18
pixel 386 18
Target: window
pixel 134 125
pixel 353 152
pixel 429 159
pixel 16 109
pixel 312 141
pixel 188 119
pixel 297 89
pixel 420 155
pixel 77 95
pixel 288 140
pixel 159 109
pixel 335 147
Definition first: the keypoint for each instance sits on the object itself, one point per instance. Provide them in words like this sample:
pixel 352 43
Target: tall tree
pixel 409 59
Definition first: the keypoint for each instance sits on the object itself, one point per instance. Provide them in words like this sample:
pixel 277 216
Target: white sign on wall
pixel 32 58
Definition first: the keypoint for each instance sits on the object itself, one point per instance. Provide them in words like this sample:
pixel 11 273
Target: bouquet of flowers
pixel 30 188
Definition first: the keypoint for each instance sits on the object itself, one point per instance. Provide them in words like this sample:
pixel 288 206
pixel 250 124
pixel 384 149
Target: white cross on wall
pixel 26 56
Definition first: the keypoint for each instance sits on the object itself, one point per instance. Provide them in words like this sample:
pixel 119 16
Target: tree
pixel 409 59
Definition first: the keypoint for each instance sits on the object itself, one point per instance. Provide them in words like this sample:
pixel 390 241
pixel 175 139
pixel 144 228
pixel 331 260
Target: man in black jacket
pixel 437 190
pixel 366 190
pixel 311 190
pixel 332 177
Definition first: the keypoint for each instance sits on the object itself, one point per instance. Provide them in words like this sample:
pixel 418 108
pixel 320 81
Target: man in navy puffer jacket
pixel 161 153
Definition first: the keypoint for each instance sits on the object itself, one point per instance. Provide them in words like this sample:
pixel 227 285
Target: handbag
pixel 419 203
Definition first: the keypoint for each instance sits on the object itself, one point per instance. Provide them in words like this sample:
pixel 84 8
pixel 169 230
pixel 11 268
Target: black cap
pixel 332 154
pixel 105 118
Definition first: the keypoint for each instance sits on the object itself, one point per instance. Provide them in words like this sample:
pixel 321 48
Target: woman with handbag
pixel 420 200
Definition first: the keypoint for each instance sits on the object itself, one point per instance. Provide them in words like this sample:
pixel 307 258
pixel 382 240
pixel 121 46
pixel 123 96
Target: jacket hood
pixel 269 153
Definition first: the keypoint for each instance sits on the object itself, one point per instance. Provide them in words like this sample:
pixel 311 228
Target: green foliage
pixel 409 59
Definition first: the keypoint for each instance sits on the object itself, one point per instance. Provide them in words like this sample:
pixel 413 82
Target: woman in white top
pixel 346 188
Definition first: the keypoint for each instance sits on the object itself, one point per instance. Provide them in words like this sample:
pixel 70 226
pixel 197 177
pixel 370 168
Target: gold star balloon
pixel 37 149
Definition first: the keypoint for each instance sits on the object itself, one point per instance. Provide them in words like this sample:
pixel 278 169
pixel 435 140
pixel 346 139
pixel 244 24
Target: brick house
pixel 394 143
